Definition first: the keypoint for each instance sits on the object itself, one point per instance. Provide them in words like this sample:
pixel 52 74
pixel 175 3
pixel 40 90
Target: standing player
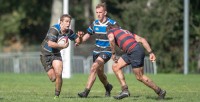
pixel 134 55
pixel 102 52
pixel 50 50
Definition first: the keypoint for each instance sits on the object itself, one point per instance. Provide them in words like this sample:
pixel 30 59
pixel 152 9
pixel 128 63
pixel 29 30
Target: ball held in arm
pixel 62 40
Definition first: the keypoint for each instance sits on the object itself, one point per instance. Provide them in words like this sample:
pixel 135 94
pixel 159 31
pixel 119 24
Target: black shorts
pixel 104 55
pixel 135 57
pixel 47 60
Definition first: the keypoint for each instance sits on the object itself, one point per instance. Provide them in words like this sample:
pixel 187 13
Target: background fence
pixel 29 62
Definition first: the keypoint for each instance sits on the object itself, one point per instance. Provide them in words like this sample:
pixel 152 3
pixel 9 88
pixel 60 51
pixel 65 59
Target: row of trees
pixel 159 21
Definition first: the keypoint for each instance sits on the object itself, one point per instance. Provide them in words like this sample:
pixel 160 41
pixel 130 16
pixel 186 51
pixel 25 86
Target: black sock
pixel 57 93
pixel 87 90
pixel 106 87
pixel 158 91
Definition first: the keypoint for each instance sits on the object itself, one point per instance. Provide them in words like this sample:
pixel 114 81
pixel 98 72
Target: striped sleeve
pixel 72 36
pixel 52 34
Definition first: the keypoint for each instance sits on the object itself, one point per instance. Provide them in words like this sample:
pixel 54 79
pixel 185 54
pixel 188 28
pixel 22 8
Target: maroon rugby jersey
pixel 124 39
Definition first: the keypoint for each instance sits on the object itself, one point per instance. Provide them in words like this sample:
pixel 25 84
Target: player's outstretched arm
pixel 79 39
pixel 86 37
pixel 82 38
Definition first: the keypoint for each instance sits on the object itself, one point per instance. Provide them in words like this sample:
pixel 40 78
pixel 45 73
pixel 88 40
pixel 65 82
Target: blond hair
pixel 102 5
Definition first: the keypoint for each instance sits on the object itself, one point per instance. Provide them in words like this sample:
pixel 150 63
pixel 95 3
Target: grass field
pixel 38 88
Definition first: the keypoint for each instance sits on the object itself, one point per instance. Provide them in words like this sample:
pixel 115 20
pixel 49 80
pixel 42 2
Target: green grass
pixel 38 88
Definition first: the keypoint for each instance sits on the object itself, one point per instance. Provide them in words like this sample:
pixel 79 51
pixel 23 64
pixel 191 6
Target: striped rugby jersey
pixel 53 34
pixel 124 39
pixel 99 30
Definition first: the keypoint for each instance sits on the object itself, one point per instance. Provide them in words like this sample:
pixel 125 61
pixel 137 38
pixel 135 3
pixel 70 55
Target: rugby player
pixel 134 56
pixel 50 50
pixel 102 51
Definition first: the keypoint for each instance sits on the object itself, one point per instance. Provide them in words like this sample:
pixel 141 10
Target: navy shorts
pixel 47 60
pixel 104 55
pixel 135 57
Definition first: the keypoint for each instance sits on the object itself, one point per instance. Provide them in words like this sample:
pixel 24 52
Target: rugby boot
pixel 122 95
pixel 108 88
pixel 84 94
pixel 161 94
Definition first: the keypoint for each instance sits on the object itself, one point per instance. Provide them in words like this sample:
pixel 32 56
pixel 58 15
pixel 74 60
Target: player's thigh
pixel 120 64
pixel 57 66
pixel 103 57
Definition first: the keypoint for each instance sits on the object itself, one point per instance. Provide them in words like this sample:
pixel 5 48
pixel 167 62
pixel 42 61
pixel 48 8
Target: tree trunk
pixel 87 10
pixel 56 11
pixel 198 67
pixel 94 4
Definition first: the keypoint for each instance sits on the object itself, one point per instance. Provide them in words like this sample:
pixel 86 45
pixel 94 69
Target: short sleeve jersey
pixel 99 30
pixel 124 39
pixel 53 34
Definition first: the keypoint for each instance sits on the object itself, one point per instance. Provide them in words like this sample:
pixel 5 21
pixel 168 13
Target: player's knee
pixel 58 74
pixel 52 76
pixel 93 70
pixel 53 79
pixel 94 66
pixel 139 78
pixel 115 67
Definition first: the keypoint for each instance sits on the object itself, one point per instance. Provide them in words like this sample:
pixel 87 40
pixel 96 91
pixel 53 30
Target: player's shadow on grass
pixel 84 98
pixel 70 97
pixel 134 97
pixel 1 98
pixel 156 98
pixel 96 97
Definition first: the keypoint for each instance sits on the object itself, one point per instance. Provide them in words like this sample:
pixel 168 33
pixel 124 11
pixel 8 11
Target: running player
pixel 134 56
pixel 50 50
pixel 102 52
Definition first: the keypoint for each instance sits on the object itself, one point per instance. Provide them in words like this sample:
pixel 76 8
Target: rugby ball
pixel 62 40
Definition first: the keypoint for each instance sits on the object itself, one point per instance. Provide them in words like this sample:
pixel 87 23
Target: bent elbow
pixel 143 40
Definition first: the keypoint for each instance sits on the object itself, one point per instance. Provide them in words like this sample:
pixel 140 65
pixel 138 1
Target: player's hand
pixel 66 45
pixel 80 33
pixel 152 57
pixel 114 58
pixel 77 44
pixel 62 46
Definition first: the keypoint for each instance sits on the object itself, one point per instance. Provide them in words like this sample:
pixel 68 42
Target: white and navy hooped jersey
pixel 99 30
pixel 54 34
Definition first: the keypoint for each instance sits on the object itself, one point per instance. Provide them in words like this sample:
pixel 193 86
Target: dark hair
pixel 109 27
pixel 102 5
pixel 65 15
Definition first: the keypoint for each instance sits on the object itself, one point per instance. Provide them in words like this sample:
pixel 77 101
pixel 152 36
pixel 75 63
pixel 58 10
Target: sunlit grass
pixel 38 88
